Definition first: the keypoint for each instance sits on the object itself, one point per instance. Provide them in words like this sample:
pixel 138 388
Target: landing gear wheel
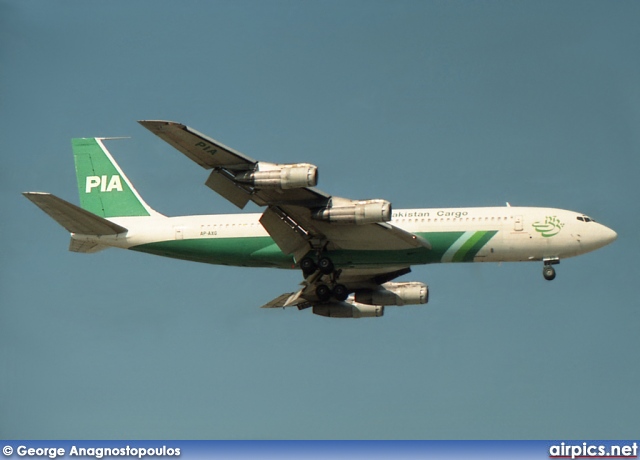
pixel 323 293
pixel 325 265
pixel 548 272
pixel 308 266
pixel 340 292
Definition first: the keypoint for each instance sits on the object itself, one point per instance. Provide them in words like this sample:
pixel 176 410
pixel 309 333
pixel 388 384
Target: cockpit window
pixel 585 219
pixel 580 218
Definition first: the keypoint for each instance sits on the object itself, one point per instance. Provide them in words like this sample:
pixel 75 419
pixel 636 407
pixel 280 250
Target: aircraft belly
pixel 450 246
pixel 242 252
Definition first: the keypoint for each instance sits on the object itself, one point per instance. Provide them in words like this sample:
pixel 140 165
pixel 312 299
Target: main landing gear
pixel 309 266
pixel 330 288
pixel 548 271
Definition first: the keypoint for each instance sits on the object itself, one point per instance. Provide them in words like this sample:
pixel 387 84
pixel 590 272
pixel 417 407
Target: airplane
pixel 350 252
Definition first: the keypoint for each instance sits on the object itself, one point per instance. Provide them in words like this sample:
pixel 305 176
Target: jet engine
pixel 284 176
pixel 355 212
pixel 348 309
pixel 410 293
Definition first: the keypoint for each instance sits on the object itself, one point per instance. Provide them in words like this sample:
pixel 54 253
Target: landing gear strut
pixel 548 271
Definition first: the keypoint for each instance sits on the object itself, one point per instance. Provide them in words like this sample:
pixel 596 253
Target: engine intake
pixel 284 176
pixel 355 212
pixel 410 293
pixel 348 309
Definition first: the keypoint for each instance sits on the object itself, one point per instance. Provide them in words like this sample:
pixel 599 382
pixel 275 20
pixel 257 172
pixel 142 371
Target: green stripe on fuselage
pixel 243 252
pixel 479 243
pixel 263 252
pixel 466 247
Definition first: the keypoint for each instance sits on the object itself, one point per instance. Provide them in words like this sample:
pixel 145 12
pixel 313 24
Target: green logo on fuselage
pixel 550 227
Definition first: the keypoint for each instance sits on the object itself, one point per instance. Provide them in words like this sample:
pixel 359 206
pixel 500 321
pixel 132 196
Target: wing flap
pixel 290 238
pixel 73 218
pixel 220 183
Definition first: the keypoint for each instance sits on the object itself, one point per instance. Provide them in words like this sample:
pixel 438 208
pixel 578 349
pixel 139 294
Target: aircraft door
pixel 179 233
pixel 517 224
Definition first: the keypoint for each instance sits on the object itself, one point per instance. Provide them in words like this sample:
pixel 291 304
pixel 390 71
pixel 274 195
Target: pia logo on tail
pixel 106 183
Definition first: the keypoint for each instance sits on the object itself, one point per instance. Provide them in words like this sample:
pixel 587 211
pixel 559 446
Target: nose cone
pixel 609 236
pixel 604 236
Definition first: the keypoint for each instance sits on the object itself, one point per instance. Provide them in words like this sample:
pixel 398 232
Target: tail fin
pixel 104 189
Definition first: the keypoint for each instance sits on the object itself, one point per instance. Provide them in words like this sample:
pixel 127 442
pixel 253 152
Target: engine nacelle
pixel 348 310
pixel 411 293
pixel 284 176
pixel 355 212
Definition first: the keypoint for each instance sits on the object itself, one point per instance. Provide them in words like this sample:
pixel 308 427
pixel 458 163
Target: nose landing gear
pixel 548 271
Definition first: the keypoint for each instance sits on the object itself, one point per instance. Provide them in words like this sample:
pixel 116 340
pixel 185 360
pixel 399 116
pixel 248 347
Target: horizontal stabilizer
pixel 86 247
pixel 290 299
pixel 73 218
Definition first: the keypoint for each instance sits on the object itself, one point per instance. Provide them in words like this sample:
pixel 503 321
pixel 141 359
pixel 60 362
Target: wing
pixel 229 166
pixel 299 217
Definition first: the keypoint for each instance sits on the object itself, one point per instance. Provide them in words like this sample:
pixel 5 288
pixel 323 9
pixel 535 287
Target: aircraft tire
pixel 340 292
pixel 548 272
pixel 323 293
pixel 325 265
pixel 308 266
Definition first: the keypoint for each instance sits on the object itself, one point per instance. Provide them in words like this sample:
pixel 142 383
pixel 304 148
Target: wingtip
pixel 156 126
pixel 29 194
pixel 158 122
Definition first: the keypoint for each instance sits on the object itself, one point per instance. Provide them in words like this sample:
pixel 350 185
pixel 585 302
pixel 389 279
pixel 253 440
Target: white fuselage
pixel 491 234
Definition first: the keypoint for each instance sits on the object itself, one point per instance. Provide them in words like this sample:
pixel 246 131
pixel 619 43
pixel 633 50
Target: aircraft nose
pixel 608 235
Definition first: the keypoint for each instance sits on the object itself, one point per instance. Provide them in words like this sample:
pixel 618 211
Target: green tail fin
pixel 103 187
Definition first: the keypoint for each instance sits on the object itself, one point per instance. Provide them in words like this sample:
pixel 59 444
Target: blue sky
pixel 426 104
